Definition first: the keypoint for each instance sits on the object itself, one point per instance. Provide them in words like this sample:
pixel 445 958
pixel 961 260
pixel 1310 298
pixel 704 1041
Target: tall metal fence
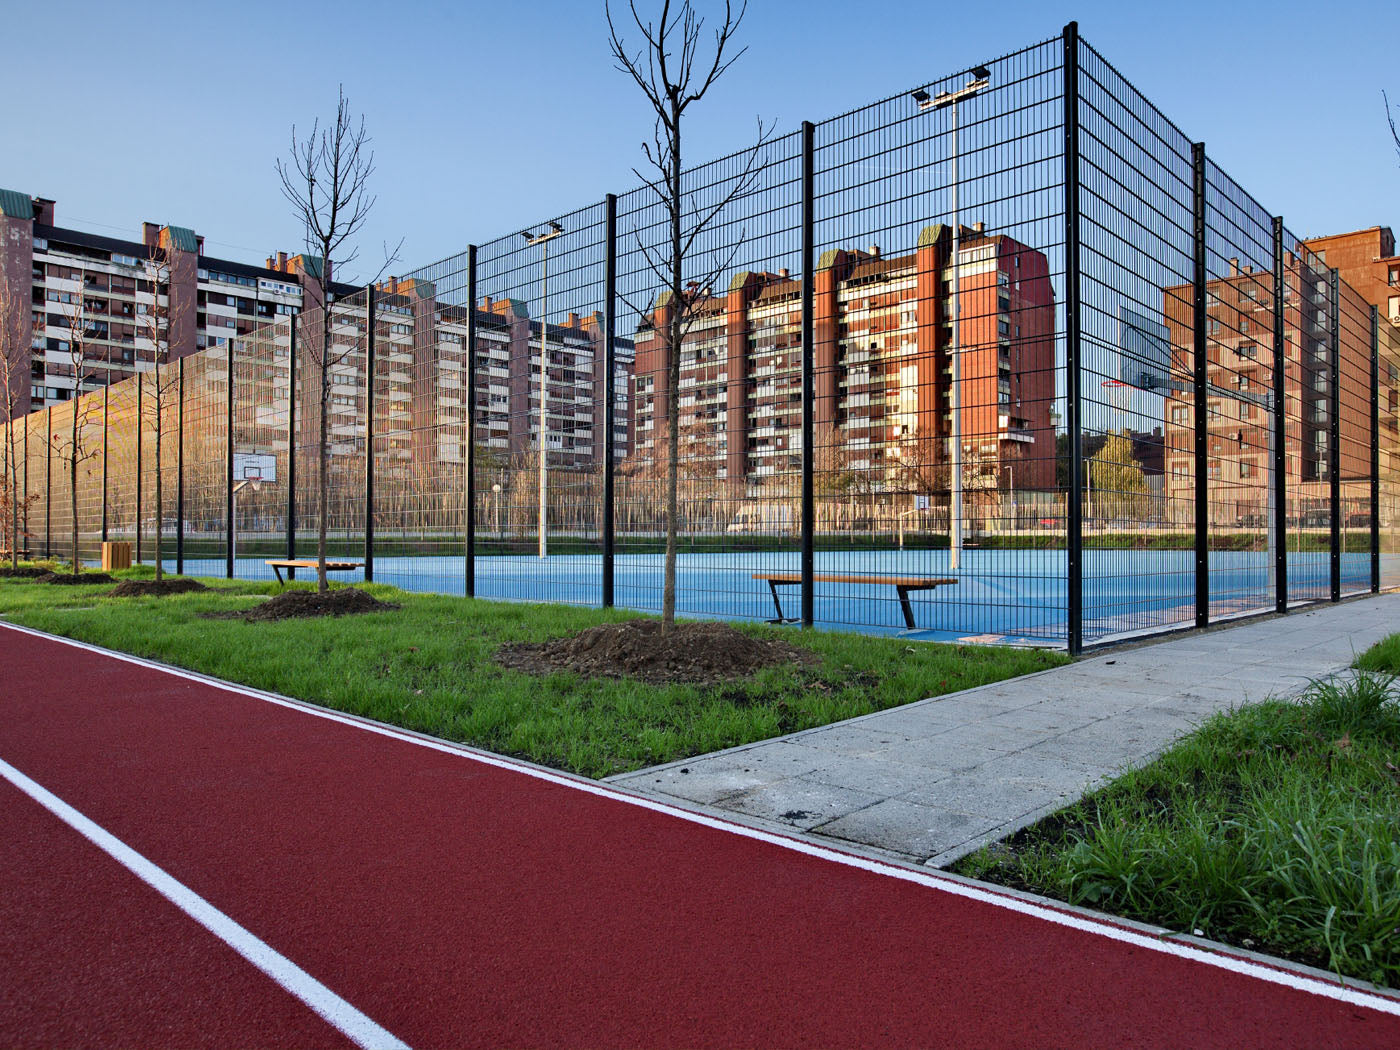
pixel 1008 357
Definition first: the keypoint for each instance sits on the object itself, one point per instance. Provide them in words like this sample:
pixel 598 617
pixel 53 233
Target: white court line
pixel 1258 971
pixel 355 1025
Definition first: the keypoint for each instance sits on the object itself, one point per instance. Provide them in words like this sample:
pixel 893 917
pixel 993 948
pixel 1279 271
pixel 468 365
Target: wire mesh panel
pixel 260 414
pixel 1388 452
pixel 123 512
pixel 540 360
pixel 1307 324
pixel 1353 430
pixel 206 459
pixel 425 494
pixel 717 383
pixel 1139 422
pixel 34 511
pixel 939 249
pixel 68 467
pixel 1240 429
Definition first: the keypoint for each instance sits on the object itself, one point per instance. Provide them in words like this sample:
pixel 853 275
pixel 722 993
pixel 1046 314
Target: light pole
pixel 543 240
pixel 981 76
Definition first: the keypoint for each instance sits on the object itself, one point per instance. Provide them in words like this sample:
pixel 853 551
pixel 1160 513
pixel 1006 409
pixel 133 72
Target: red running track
pixel 457 899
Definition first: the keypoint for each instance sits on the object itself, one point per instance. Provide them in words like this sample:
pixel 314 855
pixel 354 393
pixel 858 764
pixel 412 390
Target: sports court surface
pixel 1002 595
pixel 188 865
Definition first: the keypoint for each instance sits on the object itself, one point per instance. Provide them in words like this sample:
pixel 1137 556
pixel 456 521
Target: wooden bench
pixel 278 564
pixel 902 584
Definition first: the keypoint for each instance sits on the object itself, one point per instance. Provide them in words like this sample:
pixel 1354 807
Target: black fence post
pixel 180 469
pixel 291 444
pixel 1280 464
pixel 140 414
pixel 469 567
pixel 48 482
pixel 1199 380
pixel 609 392
pixel 1334 457
pixel 1074 511
pixel 369 433
pixel 104 463
pixel 808 377
pixel 230 522
pixel 1375 449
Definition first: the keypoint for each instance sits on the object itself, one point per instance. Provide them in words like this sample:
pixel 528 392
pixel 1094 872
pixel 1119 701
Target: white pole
pixel 544 400
pixel 955 512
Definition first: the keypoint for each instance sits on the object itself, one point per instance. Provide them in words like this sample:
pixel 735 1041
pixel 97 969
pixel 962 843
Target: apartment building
pixel 1239 404
pixel 883 401
pixel 131 301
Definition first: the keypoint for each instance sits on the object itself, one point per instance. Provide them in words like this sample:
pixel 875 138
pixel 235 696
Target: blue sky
pixel 487 117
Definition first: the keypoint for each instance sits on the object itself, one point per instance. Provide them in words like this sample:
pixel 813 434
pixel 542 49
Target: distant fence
pixel 1013 328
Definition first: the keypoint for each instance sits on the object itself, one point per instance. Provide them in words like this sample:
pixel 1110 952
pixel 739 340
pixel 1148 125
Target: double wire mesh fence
pixel 1008 357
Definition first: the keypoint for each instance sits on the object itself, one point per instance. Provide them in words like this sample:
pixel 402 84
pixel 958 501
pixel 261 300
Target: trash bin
pixel 116 554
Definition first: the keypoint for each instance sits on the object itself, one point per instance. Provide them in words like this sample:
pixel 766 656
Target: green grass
pixel 428 666
pixel 1272 827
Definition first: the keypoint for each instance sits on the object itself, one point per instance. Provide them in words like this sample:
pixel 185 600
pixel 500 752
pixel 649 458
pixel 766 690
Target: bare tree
pixel 1390 117
pixel 326 180
pixel 73 449
pixel 14 371
pixel 157 325
pixel 674 72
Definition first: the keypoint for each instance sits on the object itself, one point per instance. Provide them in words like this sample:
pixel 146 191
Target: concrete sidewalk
pixel 934 780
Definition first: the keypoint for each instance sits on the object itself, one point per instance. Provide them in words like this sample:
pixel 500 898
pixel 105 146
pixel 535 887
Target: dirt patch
pixel 78 577
pixel 23 572
pixel 156 588
pixel 293 605
pixel 696 653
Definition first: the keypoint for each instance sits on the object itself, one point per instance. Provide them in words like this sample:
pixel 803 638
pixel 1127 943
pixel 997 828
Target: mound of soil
pixel 696 653
pixel 78 577
pixel 24 572
pixel 141 588
pixel 291 605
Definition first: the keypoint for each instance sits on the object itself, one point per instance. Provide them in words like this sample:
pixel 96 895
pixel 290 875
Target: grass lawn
pixel 428 666
pixel 1272 827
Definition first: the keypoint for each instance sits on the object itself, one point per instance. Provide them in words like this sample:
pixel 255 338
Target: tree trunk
pixel 322 481
pixel 13 468
pixel 673 372
pixel 160 572
pixel 73 487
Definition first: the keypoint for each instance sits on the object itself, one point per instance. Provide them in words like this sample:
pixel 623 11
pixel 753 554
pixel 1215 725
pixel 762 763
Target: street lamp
pixel 981 76
pixel 543 240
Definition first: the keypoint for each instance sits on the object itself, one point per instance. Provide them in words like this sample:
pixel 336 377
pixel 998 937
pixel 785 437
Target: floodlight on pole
pixel 543 239
pixel 949 100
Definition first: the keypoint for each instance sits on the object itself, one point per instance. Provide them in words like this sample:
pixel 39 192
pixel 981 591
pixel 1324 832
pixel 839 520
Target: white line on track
pixel 355 1025
pixel 1245 967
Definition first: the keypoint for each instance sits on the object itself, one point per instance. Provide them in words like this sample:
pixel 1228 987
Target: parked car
pixel 1358 520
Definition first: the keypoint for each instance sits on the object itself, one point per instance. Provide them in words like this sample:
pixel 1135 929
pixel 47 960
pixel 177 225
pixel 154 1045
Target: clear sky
pixel 487 117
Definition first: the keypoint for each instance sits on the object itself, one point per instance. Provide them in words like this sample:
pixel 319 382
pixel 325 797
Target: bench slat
pixel 907 582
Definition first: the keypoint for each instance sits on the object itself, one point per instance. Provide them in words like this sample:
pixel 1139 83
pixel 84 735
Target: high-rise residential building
pixel 163 297
pixel 132 300
pixel 1239 380
pixel 883 369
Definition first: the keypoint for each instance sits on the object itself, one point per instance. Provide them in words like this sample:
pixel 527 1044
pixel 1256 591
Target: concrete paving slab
pixel 800 803
pixel 938 778
pixel 905 829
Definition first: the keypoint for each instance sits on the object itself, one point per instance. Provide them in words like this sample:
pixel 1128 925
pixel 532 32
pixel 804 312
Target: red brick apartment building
pixel 883 332
pixel 1240 334
pixel 56 274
